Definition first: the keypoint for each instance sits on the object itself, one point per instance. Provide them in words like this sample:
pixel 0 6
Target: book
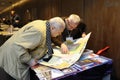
pixel 85 62
pixel 43 72
pixel 47 73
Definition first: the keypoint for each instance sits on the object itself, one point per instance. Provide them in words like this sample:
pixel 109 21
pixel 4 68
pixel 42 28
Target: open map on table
pixel 61 61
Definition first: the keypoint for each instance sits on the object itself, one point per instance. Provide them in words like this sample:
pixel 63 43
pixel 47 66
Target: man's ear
pixel 52 27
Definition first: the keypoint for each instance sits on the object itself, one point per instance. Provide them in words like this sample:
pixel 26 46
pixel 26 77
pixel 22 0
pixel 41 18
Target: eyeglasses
pixel 71 25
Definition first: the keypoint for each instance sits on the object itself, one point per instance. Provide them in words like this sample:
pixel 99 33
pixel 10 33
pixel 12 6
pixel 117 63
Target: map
pixel 61 61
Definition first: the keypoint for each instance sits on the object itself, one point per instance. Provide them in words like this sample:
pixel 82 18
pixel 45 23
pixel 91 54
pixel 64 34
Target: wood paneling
pixel 102 18
pixel 71 6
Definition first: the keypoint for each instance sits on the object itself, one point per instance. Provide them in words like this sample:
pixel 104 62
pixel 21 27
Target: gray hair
pixel 57 22
pixel 74 18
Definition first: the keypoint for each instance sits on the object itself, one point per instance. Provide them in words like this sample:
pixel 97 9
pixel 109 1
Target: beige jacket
pixel 29 42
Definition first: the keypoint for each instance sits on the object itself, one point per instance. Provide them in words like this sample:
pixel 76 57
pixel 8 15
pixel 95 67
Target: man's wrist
pixel 32 62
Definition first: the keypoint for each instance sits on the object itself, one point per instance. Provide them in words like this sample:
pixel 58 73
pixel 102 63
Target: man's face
pixel 55 32
pixel 70 25
pixel 12 12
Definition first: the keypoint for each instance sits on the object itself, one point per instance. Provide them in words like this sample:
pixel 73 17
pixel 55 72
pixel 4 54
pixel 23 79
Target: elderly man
pixel 28 45
pixel 75 28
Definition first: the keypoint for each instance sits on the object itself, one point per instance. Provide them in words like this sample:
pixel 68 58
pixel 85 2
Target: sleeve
pixel 28 40
pixel 82 27
pixel 57 40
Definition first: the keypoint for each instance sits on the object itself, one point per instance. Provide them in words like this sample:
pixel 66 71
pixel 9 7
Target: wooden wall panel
pixel 102 18
pixel 71 6
pixel 49 8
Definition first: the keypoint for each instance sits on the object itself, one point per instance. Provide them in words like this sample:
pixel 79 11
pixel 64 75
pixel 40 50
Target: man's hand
pixel 32 62
pixel 83 34
pixel 64 48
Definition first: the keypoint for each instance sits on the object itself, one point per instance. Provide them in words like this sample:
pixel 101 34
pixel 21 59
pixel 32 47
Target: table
pixel 4 35
pixel 99 69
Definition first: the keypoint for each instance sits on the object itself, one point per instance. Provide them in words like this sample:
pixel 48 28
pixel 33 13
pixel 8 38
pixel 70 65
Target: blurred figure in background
pixel 15 19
